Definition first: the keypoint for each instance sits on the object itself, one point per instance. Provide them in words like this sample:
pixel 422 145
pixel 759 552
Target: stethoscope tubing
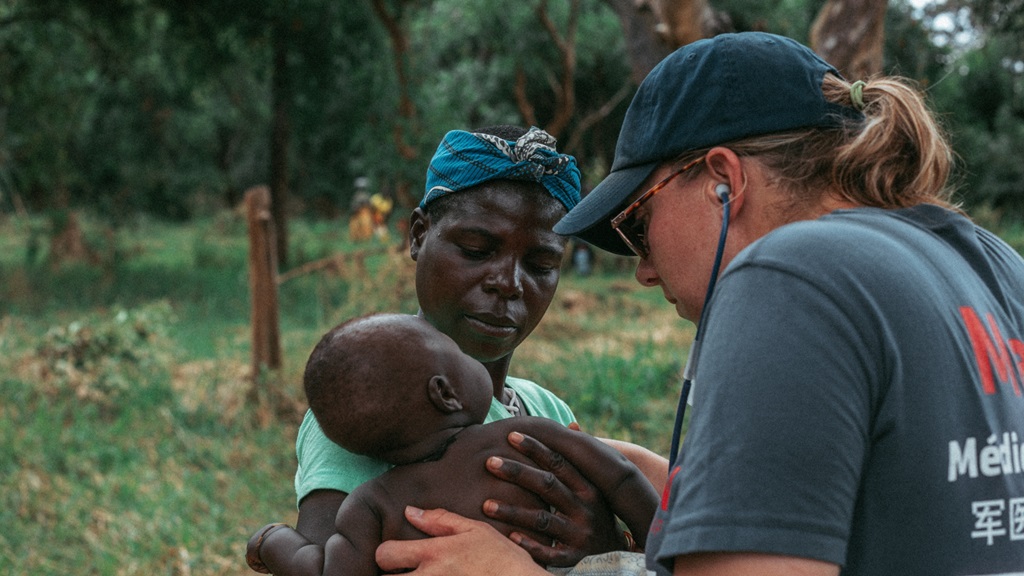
pixel 693 357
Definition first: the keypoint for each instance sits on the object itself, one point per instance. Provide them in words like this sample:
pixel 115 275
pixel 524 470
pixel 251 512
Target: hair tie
pixel 857 94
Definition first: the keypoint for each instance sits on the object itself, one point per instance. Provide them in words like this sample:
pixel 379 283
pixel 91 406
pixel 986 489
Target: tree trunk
pixel 644 46
pixel 683 21
pixel 407 114
pixel 654 28
pixel 280 131
pixel 850 35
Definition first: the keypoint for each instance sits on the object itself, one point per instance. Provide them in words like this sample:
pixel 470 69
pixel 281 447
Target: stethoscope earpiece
pixel 723 191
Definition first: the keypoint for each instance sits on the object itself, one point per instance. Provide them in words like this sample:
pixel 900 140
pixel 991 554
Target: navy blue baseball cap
pixel 710 92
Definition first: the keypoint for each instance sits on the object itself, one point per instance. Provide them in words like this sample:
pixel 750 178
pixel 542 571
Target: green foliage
pixel 108 361
pixel 909 50
pixel 161 107
pixel 983 107
pixel 158 107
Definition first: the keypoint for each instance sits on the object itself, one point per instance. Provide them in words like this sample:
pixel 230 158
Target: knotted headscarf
pixel 465 159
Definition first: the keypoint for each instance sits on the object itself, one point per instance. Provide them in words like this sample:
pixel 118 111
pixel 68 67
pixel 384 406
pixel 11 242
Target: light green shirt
pixel 323 465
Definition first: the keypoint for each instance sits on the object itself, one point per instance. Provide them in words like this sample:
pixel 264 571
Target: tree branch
pixel 596 116
pixel 526 110
pixel 564 85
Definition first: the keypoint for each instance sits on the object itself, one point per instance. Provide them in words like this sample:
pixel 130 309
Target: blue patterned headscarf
pixel 465 159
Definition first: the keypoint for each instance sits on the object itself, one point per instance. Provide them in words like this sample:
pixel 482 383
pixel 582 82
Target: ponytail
pixel 897 156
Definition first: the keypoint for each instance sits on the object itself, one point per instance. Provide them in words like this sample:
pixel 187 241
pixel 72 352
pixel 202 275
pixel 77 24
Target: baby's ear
pixel 443 396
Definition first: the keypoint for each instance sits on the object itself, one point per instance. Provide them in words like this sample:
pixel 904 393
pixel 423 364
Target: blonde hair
pixel 897 156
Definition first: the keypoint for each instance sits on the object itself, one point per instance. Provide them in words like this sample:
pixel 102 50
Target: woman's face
pixel 684 224
pixel 487 269
pixel 682 229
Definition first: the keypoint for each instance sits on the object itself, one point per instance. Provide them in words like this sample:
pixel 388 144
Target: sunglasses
pixel 633 231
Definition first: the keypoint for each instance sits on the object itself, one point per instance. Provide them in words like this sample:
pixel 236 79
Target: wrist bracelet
pixel 631 543
pixel 252 548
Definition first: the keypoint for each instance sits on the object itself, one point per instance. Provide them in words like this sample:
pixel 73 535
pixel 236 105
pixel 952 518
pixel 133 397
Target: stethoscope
pixel 722 191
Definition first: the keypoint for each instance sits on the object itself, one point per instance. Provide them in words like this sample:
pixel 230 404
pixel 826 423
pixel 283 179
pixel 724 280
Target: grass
pixel 129 439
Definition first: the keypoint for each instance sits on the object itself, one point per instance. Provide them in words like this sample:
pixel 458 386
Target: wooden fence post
pixel 266 344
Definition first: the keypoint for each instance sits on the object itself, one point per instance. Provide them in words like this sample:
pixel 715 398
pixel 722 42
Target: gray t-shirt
pixel 859 401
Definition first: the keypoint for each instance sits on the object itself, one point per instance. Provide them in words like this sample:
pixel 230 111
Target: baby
pixel 392 387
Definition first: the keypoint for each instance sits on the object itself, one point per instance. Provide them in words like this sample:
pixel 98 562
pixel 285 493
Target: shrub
pixel 107 360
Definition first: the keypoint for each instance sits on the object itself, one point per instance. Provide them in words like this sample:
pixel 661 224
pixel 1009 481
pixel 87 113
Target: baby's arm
pixel 286 552
pixel 653 465
pixel 629 493
pixel 281 550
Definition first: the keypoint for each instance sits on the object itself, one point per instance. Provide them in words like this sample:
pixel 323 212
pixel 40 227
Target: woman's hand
pixel 582 524
pixel 460 547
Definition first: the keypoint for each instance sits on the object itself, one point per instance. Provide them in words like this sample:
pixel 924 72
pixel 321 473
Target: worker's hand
pixel 460 547
pixel 581 524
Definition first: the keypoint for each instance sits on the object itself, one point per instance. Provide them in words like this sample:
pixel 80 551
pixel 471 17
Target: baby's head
pixel 380 383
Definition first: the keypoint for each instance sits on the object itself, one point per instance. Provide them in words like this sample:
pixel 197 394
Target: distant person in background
pixel 487 265
pixel 858 404
pixel 381 207
pixel 360 221
pixel 394 388
pixel 582 258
